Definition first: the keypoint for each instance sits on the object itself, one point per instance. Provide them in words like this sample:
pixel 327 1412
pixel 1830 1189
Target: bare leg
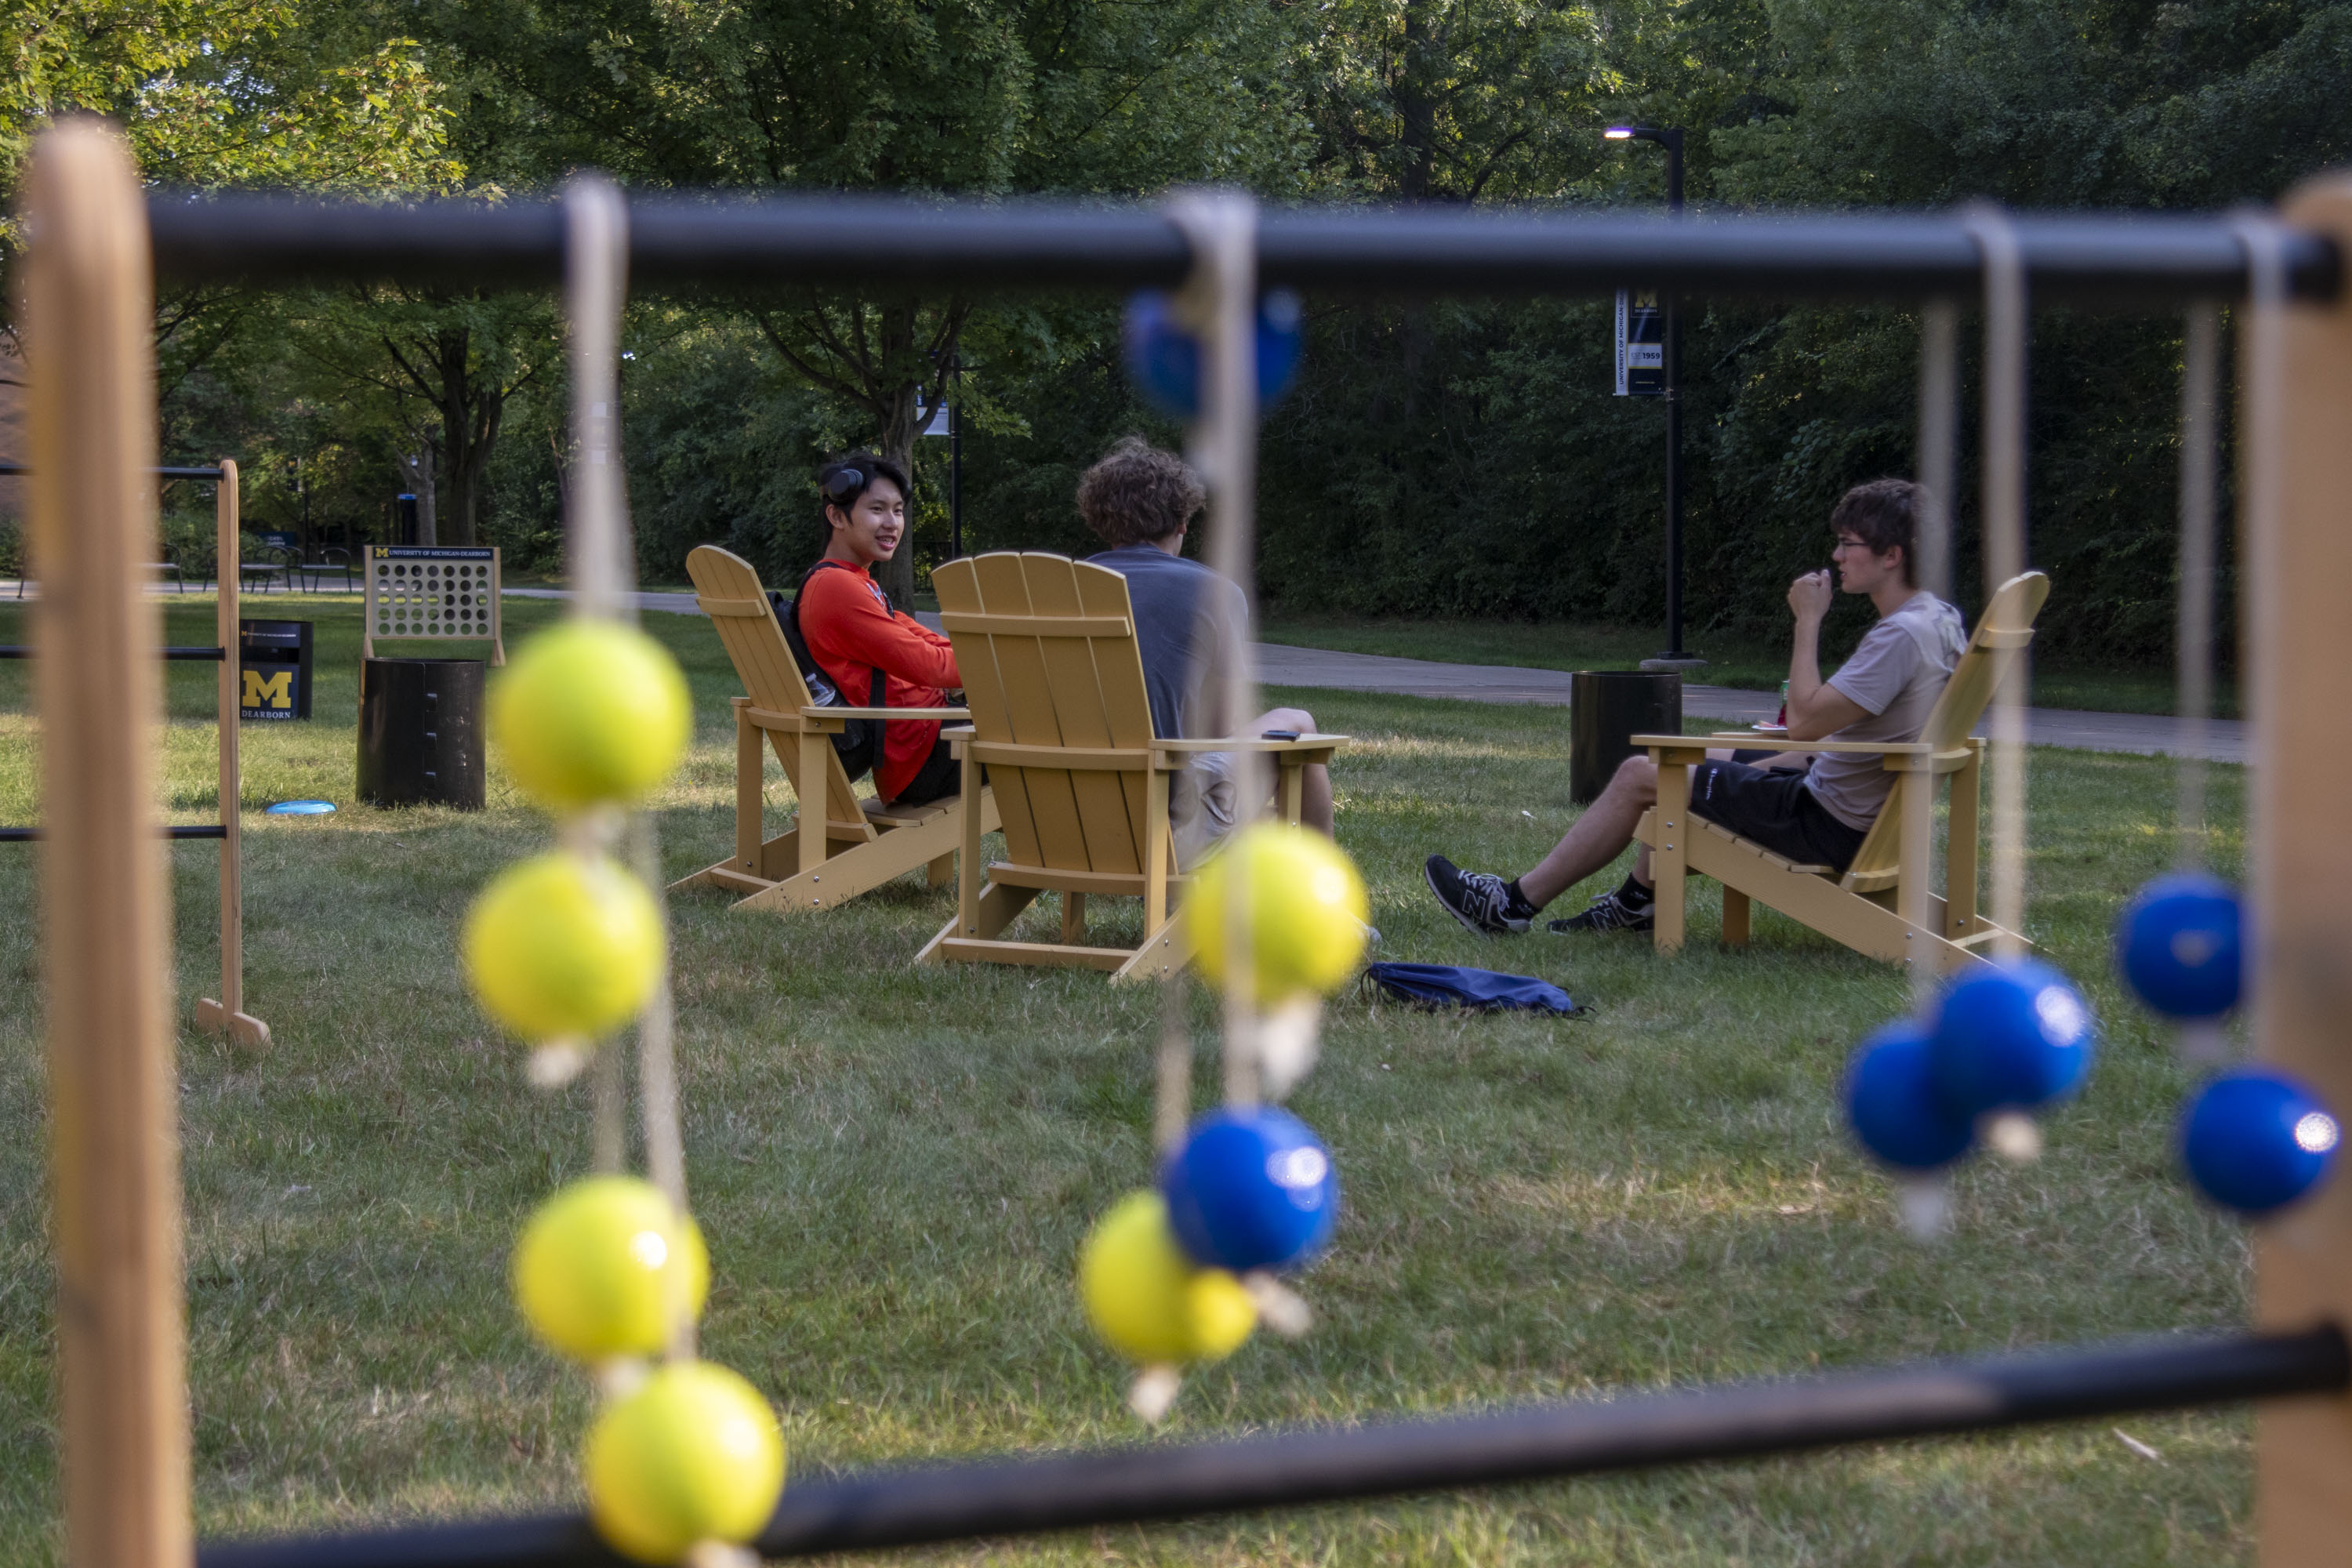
pixel 1599 835
pixel 1315 789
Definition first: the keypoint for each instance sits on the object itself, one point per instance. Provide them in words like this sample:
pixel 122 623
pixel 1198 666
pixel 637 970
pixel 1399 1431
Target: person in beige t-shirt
pixel 1814 811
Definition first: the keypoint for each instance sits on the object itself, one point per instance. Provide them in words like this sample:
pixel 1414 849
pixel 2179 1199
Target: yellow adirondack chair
pixel 1862 908
pixel 864 843
pixel 1061 720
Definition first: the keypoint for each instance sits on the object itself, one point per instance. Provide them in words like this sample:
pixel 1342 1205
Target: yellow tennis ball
pixel 560 947
pixel 1304 901
pixel 693 1453
pixel 608 1268
pixel 591 711
pixel 1145 1297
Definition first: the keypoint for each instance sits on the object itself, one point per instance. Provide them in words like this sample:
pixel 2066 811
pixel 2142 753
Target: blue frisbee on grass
pixel 298 808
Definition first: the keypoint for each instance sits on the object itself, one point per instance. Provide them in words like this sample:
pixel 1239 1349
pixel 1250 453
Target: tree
pixel 1456 101
pixel 434 372
pixel 986 97
pixel 290 93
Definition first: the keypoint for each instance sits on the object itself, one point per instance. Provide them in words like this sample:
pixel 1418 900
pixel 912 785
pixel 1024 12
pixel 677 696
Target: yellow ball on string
pixel 588 713
pixel 607 1268
pixel 562 947
pixel 1148 1300
pixel 1304 905
pixel 693 1454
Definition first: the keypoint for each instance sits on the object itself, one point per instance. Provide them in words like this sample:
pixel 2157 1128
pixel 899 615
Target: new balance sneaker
pixel 1610 912
pixel 1479 900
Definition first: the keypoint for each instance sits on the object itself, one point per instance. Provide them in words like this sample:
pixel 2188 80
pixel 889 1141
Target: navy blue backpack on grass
pixel 1435 985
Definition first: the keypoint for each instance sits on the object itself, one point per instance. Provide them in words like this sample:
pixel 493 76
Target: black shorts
pixel 1774 809
pixel 939 776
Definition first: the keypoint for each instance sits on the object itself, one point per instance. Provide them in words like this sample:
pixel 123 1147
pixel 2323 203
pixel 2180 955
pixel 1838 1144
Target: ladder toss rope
pixel 2002 505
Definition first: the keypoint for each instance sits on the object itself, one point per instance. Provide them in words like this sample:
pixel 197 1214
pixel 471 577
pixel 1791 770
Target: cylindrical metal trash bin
pixel 1606 708
pixel 421 731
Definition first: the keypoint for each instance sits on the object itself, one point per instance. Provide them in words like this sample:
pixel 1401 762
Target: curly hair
pixel 1885 515
pixel 1139 494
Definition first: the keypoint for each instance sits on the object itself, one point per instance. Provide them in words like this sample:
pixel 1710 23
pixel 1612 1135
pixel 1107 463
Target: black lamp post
pixel 1671 139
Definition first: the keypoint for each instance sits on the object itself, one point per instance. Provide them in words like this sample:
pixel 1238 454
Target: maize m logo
pixel 268 694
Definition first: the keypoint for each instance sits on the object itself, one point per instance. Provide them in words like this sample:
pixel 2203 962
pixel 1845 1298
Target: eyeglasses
pixel 844 485
pixel 1851 545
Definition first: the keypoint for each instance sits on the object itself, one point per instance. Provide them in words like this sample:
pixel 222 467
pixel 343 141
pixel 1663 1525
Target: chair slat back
pixel 730 593
pixel 1046 647
pixel 2004 631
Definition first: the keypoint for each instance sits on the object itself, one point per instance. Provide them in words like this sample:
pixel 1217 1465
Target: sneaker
pixel 1479 900
pixel 1610 911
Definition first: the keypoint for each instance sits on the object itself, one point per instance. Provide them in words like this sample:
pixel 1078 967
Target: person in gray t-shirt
pixel 1141 501
pixel 1814 811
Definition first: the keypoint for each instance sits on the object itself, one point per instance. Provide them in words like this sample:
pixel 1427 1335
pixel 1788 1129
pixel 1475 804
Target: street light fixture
pixel 1670 137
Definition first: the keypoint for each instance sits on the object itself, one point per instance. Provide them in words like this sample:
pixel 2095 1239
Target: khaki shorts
pixel 1204 812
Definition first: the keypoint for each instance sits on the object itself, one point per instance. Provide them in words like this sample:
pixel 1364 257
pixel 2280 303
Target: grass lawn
pixel 895 1167
pixel 1756 666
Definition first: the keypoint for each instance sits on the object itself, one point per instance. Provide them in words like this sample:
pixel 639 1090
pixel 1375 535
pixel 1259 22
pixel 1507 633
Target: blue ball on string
pixel 1891 1105
pixel 2013 1035
pixel 1251 1188
pixel 1163 358
pixel 2178 945
pixel 2255 1141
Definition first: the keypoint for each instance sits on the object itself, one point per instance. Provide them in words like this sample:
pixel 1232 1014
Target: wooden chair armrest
pixel 1254 744
pixel 886 712
pixel 1781 743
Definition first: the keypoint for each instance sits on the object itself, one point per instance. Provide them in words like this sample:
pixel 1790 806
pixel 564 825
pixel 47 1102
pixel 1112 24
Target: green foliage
pixel 1457 458
pixel 274 92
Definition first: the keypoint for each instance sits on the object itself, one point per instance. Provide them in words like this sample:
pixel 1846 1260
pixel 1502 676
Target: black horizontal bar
pixel 10 469
pixel 198 654
pixel 1028 1495
pixel 735 243
pixel 34 835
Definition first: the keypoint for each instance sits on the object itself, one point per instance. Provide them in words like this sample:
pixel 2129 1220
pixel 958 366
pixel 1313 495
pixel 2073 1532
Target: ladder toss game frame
pixel 124 1415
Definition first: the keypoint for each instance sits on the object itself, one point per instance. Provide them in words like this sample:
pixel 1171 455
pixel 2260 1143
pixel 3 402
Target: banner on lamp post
pixel 1641 344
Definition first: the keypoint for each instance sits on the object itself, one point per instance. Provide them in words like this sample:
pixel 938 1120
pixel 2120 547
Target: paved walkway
pixel 2148 734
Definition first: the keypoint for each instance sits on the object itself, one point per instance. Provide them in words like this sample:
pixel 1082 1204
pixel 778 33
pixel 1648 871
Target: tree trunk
pixel 899 435
pixel 471 413
pixel 421 472
pixel 1416 106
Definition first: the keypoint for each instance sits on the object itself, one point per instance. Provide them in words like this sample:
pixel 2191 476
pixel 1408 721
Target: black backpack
pixel 859 743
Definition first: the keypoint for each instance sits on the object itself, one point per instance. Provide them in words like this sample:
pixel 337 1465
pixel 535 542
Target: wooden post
pixel 1670 862
pixel 113 1099
pixel 816 801
pixel 1960 845
pixel 2297 467
pixel 750 797
pixel 968 861
pixel 227 1013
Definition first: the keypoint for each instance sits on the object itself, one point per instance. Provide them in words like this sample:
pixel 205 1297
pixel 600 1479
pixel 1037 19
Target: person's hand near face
pixel 1809 597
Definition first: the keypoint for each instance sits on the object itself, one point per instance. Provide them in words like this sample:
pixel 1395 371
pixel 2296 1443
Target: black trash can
pixel 274 660
pixel 1606 708
pixel 421 732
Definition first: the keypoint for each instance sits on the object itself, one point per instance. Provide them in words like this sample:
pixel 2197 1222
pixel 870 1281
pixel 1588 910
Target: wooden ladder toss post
pixel 113 1093
pixel 2296 500
pixel 227 1014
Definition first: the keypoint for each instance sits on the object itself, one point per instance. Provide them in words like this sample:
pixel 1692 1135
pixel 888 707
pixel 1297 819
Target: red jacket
pixel 850 630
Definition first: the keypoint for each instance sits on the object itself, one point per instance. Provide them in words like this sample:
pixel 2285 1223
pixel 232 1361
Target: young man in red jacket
pixel 851 629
